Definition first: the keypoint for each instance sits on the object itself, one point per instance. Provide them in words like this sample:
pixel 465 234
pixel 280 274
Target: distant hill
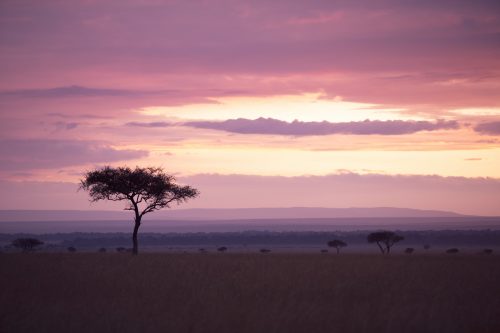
pixel 224 214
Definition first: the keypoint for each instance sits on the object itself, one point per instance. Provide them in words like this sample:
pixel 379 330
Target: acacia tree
pixel 144 189
pixel 384 239
pixel 337 244
pixel 27 244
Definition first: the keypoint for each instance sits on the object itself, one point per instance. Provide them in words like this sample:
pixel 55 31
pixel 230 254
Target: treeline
pixel 411 238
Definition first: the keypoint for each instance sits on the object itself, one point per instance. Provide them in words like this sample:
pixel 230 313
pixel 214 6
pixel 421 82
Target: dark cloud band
pixel 298 128
pixel 492 128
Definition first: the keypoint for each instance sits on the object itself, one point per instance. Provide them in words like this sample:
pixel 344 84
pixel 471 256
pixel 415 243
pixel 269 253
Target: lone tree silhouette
pixel 145 190
pixel 409 250
pixel 384 239
pixel 337 244
pixel 27 244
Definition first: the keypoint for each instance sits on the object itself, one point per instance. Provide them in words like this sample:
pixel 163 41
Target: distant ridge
pixel 223 214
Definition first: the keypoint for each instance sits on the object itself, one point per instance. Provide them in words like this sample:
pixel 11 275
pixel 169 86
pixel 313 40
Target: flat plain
pixel 225 292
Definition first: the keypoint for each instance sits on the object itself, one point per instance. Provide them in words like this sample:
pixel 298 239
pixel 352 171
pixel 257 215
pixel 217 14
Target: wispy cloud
pixel 299 128
pixel 149 124
pixel 79 91
pixel 47 154
pixel 492 128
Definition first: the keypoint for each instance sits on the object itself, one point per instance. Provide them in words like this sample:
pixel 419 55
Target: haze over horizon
pixel 256 104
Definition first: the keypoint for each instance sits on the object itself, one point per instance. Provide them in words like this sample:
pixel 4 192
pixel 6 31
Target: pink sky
pixel 392 103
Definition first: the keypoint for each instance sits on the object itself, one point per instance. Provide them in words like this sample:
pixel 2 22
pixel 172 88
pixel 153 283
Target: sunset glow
pixel 257 89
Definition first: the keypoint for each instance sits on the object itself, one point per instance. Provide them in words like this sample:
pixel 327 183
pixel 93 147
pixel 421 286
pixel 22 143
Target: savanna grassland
pixel 43 292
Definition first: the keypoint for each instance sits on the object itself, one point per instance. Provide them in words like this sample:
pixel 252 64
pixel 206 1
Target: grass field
pixel 249 293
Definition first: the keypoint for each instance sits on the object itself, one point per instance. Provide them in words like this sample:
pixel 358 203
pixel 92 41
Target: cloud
pixel 62 125
pixel 32 154
pixel 79 91
pixel 150 124
pixel 492 128
pixel 298 128
pixel 340 47
pixel 83 116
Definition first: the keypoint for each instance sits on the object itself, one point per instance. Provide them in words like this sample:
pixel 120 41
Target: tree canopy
pixel 384 239
pixel 337 244
pixel 27 244
pixel 144 189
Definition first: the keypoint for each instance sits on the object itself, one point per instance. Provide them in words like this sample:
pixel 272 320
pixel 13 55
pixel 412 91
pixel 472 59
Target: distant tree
pixel 102 250
pixel 202 250
pixel 71 249
pixel 337 244
pixel 222 249
pixel 384 239
pixel 452 251
pixel 487 251
pixel 27 244
pixel 265 251
pixel 427 246
pixel 409 250
pixel 145 190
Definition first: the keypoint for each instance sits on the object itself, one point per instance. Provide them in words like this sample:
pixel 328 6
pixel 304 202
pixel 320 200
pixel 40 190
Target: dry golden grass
pixel 248 293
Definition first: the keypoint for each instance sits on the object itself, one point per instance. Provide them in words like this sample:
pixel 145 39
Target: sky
pixel 256 103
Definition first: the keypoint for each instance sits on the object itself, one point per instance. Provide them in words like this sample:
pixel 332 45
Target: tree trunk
pixel 338 251
pixel 381 248
pixel 135 249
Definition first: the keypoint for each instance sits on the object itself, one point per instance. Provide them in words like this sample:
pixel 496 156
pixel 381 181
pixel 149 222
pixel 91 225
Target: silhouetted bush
pixel 337 244
pixel 265 251
pixel 120 249
pixel 27 244
pixel 427 246
pixel 388 238
pixel 222 249
pixel 452 251
pixel 71 249
pixel 324 251
pixel 487 251
pixel 102 250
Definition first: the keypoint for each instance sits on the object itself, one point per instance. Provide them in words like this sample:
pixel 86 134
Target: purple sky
pixel 402 92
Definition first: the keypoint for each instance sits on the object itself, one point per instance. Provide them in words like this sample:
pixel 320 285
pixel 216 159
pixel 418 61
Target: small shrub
pixel 409 250
pixel 222 249
pixel 265 251
pixel 337 244
pixel 487 251
pixel 27 244
pixel 452 251
pixel 71 249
